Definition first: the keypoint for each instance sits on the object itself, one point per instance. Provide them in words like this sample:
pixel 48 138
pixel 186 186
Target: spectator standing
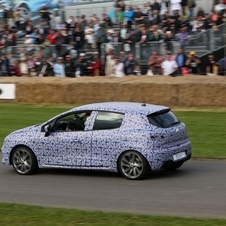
pixel 119 16
pixel 183 37
pixel 200 12
pixel 16 16
pixel 100 34
pixel 193 63
pixel 44 68
pixel 116 38
pixel 211 67
pixel 129 16
pixel 184 4
pixel 81 66
pixel 69 67
pixel 191 6
pixel 52 37
pixel 154 35
pixel 31 65
pixel 155 6
pixel 168 38
pixel 106 21
pixel 58 68
pixel 1 17
pixel 45 45
pixel 96 65
pixel 156 18
pixel 122 56
pixel 10 20
pixel 4 65
pixel 169 67
pixel 181 59
pixel 42 29
pixel 154 64
pixel 164 5
pixel 23 67
pixel 78 38
pixel 118 68
pixel 131 65
pixel 50 65
pixel 29 28
pixel 138 17
pixel 14 69
pixel 110 63
pixel 45 15
pixel 175 5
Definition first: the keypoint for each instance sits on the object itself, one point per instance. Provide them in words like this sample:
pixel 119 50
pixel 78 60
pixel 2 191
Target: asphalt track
pixel 197 189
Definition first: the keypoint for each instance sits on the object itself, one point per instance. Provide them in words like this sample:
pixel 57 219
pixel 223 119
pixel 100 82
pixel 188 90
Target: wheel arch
pixel 128 151
pixel 15 147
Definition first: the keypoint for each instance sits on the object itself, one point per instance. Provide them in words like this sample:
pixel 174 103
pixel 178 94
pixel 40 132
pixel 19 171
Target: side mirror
pixel 47 130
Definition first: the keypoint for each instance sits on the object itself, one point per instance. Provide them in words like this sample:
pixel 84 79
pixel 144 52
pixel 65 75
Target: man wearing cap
pixel 193 63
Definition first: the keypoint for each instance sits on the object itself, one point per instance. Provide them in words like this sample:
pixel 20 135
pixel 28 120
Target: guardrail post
pixel 212 40
pixel 137 51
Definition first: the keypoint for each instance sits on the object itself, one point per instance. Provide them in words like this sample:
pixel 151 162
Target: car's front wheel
pixel 132 165
pixel 24 161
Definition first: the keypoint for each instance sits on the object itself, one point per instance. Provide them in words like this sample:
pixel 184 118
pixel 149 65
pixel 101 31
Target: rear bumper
pixel 161 157
pixel 169 163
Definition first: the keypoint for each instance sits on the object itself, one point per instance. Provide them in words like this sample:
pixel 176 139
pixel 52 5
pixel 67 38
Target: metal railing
pixel 207 41
pixel 25 51
pixel 141 51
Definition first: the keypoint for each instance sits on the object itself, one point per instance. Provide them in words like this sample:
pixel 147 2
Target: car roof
pixel 123 107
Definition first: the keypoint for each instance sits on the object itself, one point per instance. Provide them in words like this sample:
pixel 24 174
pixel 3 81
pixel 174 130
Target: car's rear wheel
pixel 24 161
pixel 132 165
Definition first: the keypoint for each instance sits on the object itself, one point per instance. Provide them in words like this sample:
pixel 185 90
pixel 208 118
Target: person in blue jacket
pixel 129 16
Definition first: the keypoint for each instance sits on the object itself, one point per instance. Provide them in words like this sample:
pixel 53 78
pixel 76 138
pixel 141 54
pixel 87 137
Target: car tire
pixel 133 166
pixel 24 161
pixel 175 166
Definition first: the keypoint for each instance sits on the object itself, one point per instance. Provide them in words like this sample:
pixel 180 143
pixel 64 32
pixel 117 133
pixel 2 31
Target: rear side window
pixel 108 120
pixel 163 119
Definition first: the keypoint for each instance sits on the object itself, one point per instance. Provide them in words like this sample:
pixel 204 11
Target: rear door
pixel 105 137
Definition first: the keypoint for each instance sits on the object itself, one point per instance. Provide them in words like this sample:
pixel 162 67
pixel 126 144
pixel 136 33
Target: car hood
pixel 29 129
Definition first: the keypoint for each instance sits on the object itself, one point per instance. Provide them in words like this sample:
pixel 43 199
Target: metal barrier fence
pixel 21 51
pixel 141 51
pixel 207 41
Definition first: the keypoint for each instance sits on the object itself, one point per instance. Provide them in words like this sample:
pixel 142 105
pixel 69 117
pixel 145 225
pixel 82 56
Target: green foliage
pixel 18 215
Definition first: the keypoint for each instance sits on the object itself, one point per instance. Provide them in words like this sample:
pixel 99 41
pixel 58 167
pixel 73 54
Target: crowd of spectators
pixel 72 48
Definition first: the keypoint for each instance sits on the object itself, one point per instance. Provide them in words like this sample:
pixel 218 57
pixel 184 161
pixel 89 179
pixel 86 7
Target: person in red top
pixel 52 37
pixel 96 66
pixel 155 63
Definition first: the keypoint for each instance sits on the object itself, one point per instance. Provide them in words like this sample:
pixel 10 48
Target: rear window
pixel 163 119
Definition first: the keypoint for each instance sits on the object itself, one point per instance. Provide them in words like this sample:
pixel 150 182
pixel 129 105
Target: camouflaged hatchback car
pixel 125 137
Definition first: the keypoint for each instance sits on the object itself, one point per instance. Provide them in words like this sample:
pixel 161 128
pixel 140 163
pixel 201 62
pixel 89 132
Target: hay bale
pixel 190 91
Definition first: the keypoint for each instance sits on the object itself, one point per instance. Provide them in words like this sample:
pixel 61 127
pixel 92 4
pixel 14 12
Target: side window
pixel 108 120
pixel 71 122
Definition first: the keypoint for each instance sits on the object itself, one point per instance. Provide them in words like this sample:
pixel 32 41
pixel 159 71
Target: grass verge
pixel 206 127
pixel 17 215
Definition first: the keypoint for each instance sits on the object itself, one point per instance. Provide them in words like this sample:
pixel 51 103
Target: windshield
pixel 163 119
